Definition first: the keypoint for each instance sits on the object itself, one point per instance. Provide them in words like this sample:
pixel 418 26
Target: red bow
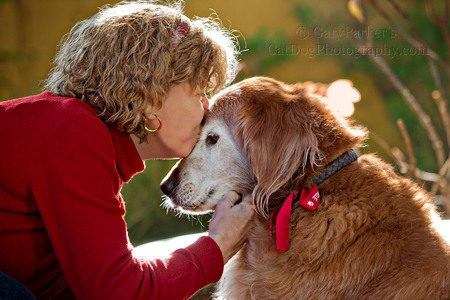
pixel 309 199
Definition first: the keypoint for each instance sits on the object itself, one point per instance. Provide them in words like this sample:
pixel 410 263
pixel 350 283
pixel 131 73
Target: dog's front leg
pixel 230 286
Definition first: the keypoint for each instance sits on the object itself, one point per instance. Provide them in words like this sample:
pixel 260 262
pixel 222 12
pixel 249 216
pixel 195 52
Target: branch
pixel 394 153
pixel 433 70
pixel 400 160
pixel 430 55
pixel 445 192
pixel 442 173
pixel 443 110
pixel 416 43
pixel 412 159
pixel 397 155
pixel 410 100
pixel 441 22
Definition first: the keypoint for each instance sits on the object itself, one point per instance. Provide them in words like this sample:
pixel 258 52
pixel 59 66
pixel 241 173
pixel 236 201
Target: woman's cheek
pixel 186 149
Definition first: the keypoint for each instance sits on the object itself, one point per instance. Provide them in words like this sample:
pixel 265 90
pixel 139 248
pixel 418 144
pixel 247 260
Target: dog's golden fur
pixel 371 237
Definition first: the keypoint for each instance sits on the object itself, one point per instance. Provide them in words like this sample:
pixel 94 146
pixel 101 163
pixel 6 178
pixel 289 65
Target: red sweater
pixel 62 227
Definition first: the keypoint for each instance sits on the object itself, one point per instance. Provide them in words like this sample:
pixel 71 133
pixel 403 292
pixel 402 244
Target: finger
pixel 229 199
pixel 247 203
pixel 247 199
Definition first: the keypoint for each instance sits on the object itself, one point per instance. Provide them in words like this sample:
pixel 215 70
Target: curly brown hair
pixel 120 61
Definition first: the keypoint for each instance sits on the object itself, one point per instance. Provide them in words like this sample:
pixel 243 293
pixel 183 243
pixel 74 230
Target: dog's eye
pixel 212 139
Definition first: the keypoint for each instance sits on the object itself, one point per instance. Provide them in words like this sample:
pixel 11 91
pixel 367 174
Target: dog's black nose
pixel 167 186
pixel 170 182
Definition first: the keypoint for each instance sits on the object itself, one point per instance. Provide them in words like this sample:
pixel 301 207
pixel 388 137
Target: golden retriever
pixel 373 236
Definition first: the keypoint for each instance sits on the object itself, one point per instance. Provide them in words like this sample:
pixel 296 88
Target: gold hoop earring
pixel 154 130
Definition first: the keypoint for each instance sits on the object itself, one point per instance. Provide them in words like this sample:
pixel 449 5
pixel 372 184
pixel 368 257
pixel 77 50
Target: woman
pixel 128 85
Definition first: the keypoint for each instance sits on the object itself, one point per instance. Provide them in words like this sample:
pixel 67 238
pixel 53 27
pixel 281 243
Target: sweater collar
pixel 129 163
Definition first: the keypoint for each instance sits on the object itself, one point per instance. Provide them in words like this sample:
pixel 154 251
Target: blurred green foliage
pixel 146 219
pixel 410 67
pixel 256 50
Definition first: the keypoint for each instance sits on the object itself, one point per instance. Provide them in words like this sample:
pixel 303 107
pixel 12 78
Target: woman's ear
pixel 151 117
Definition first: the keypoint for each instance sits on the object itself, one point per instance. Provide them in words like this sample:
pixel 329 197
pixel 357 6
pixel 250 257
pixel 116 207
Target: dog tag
pixel 310 198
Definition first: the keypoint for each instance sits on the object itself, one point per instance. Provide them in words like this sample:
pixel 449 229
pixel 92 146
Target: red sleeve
pixel 77 189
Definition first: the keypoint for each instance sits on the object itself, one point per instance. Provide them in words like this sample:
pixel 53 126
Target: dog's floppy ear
pixel 287 133
pixel 279 141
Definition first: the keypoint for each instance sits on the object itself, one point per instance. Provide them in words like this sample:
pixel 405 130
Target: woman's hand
pixel 230 223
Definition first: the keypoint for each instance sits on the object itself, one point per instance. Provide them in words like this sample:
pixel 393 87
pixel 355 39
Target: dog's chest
pixel 255 273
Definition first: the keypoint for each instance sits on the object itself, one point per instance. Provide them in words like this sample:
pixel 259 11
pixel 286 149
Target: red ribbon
pixel 309 199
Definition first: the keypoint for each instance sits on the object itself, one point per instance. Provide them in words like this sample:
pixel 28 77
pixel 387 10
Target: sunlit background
pixel 345 42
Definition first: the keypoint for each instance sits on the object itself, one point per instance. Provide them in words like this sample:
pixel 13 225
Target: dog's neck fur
pixel 314 177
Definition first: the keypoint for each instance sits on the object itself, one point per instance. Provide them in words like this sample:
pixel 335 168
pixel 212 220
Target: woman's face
pixel 181 115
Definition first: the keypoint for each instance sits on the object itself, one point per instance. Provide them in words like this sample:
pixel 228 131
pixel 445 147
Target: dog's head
pixel 260 135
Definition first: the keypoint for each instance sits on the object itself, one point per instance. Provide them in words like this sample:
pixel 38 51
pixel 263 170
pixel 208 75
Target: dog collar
pixel 337 164
pixel 309 199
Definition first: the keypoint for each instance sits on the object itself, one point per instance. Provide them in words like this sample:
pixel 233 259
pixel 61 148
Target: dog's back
pixel 372 237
